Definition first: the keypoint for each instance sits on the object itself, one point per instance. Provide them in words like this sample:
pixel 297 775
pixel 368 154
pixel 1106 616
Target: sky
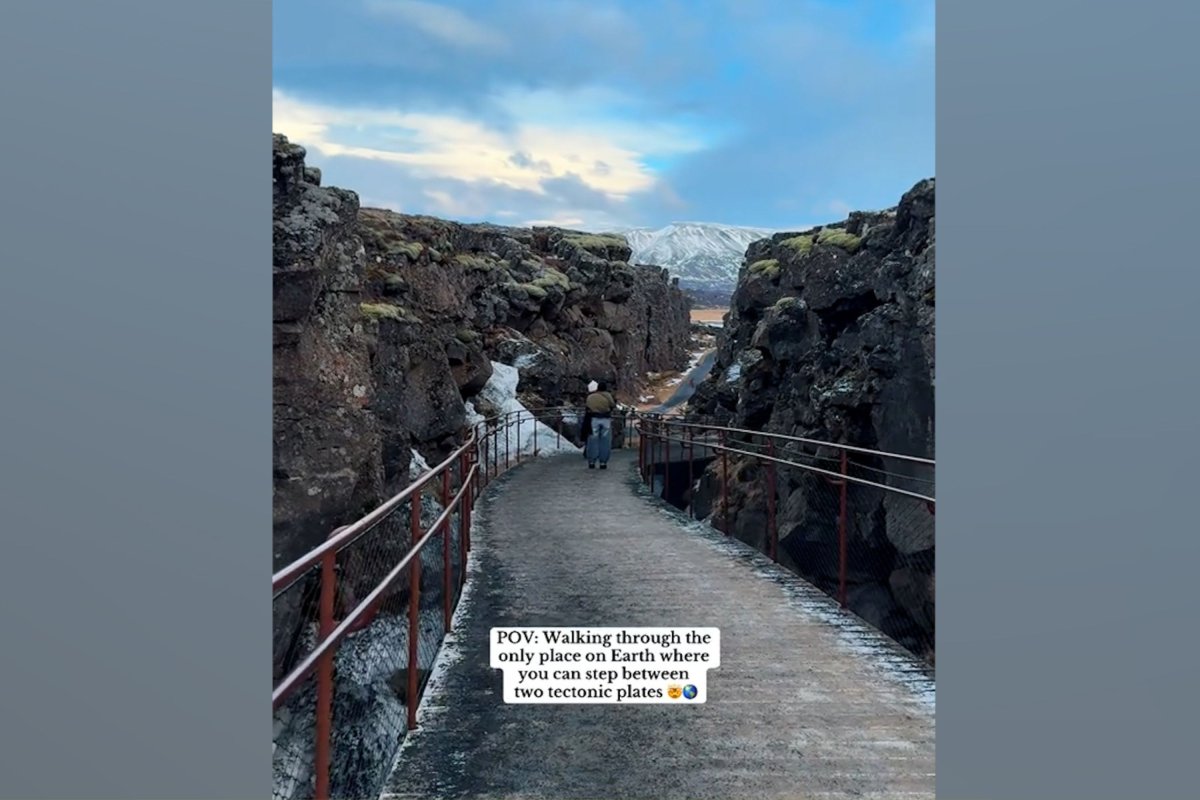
pixel 609 114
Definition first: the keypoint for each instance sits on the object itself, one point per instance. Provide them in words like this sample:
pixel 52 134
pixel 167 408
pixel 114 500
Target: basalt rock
pixel 385 325
pixel 831 337
pixel 564 307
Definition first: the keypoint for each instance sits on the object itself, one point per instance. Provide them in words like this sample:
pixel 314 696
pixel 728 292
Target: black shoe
pixel 604 466
pixel 592 466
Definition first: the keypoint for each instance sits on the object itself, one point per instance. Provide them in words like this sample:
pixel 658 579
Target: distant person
pixel 585 425
pixel 600 407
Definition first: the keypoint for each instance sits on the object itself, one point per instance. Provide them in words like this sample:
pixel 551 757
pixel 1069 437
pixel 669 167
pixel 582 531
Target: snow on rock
pixel 473 415
pixel 369 717
pixel 418 466
pixel 501 393
pixel 700 254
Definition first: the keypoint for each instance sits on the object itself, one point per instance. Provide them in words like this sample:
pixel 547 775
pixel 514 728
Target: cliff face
pixel 831 337
pixel 565 307
pixel 386 323
pixel 327 437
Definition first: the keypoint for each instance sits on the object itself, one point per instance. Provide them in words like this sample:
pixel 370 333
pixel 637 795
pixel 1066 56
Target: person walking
pixel 600 407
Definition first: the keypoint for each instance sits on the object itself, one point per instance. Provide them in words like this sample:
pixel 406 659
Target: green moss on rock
pixel 534 291
pixel 767 267
pixel 839 238
pixel 553 278
pixel 378 311
pixel 381 311
pixel 801 244
pixel 596 242
pixel 473 263
pixel 411 250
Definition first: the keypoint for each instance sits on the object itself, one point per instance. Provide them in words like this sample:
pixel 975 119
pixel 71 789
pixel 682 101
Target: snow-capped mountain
pixel 702 255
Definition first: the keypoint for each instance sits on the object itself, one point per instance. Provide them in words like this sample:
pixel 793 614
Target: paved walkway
pixel 806 703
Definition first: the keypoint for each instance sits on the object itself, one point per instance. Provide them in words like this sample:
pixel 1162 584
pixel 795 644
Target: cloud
pixel 447 25
pixel 756 113
pixel 588 162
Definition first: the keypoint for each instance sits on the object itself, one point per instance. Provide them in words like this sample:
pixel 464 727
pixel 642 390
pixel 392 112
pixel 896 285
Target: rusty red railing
pixel 859 521
pixel 367 585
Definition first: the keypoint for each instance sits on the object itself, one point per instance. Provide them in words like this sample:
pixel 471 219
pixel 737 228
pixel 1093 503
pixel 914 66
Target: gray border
pixel 1067 426
pixel 135 332
pixel 135 354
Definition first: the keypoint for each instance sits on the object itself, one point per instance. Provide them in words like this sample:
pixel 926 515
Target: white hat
pixel 593 386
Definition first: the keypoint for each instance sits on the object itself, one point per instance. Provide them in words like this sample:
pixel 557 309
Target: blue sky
pixel 611 113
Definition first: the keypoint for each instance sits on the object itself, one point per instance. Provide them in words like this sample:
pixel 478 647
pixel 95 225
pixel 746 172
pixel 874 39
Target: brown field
pixel 708 314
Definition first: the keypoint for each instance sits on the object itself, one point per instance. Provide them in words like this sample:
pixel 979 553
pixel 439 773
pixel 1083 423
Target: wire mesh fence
pixel 360 620
pixel 379 605
pixel 858 524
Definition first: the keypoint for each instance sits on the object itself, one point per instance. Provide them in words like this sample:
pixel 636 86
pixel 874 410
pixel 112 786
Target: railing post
pixel 772 525
pixel 446 568
pixel 691 459
pixel 667 463
pixel 842 525
pixel 724 482
pixel 507 441
pixel 324 727
pixel 518 437
pixel 642 455
pixel 414 600
pixel 464 527
pixel 535 435
pixel 654 445
pixel 480 456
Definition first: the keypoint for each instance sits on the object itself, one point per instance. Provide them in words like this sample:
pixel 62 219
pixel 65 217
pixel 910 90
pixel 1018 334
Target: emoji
pixel 690 692
pixel 674 691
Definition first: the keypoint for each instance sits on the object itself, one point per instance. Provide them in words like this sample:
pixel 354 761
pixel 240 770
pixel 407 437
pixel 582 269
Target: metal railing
pixel 360 618
pixel 855 522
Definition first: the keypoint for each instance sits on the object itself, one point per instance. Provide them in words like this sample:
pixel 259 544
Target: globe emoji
pixel 690 692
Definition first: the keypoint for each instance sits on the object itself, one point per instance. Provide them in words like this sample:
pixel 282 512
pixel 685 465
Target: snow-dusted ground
pixel 501 393
pixel 693 362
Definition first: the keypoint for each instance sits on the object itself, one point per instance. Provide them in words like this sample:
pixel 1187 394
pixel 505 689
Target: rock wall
pixel 831 337
pixel 565 307
pixel 327 437
pixel 385 324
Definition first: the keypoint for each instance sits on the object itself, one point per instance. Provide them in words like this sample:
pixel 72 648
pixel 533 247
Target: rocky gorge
pixel 830 337
pixel 386 327
pixel 392 335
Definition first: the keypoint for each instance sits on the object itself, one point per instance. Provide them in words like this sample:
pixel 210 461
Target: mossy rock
pixel 785 303
pixel 839 238
pixel 393 281
pixel 411 250
pixel 552 278
pixel 467 336
pixel 801 244
pixel 596 243
pixel 378 311
pixel 767 267
pixel 473 263
pixel 534 291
